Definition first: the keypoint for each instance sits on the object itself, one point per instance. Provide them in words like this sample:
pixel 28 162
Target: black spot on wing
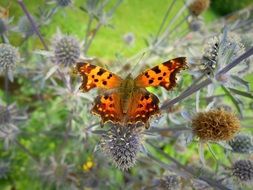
pixel 110 75
pixel 104 83
pixel 101 71
pixel 150 81
pixel 156 70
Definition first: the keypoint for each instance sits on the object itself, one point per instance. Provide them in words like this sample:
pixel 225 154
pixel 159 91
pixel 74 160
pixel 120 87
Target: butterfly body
pixel 127 101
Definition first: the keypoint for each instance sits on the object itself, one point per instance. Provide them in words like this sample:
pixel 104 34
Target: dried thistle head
pixel 197 7
pixel 215 125
pixel 242 144
pixel 121 144
pixel 243 170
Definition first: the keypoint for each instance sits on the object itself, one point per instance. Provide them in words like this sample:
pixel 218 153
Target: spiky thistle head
pixel 197 7
pixel 121 144
pixel 215 125
pixel 9 56
pixel 242 144
pixel 66 50
pixel 243 170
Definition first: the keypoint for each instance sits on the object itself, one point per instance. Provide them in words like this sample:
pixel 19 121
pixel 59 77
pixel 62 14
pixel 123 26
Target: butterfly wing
pixel 162 75
pixel 107 106
pixel 144 105
pixel 95 76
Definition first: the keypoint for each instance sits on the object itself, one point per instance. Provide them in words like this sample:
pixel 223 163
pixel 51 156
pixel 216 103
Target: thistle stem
pixel 35 28
pixel 27 151
pixel 6 87
pixel 164 20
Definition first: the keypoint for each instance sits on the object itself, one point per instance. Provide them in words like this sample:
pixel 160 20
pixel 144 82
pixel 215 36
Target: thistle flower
pixel 170 182
pixel 243 170
pixel 241 144
pixel 66 50
pixel 121 144
pixel 197 7
pixel 9 56
pixel 215 125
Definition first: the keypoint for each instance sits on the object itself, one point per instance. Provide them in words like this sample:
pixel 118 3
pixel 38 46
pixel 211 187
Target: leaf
pixel 241 93
pixel 241 81
pixel 51 72
pixel 233 99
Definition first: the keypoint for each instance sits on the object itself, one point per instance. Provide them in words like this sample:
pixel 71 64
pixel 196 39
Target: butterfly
pixel 127 101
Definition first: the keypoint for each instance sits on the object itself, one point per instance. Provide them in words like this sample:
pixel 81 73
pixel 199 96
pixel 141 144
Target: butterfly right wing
pixel 95 76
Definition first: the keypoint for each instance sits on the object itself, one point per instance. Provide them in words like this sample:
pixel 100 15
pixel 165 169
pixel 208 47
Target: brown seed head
pixel 198 6
pixel 215 125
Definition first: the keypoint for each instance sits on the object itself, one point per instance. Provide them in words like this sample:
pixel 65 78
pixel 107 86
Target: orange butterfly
pixel 127 101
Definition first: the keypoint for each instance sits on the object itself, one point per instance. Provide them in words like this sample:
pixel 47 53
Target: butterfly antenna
pixel 140 59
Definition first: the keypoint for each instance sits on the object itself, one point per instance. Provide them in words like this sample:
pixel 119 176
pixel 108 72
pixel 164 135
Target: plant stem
pixel 6 87
pixel 35 28
pixel 164 20
pixel 27 151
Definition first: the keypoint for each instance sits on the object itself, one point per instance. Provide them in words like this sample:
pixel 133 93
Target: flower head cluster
pixel 66 50
pixel 241 144
pixel 243 170
pixel 122 144
pixel 9 56
pixel 215 125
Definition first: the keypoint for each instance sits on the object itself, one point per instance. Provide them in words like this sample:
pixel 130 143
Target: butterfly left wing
pixel 144 105
pixel 107 106
pixel 95 76
pixel 162 75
